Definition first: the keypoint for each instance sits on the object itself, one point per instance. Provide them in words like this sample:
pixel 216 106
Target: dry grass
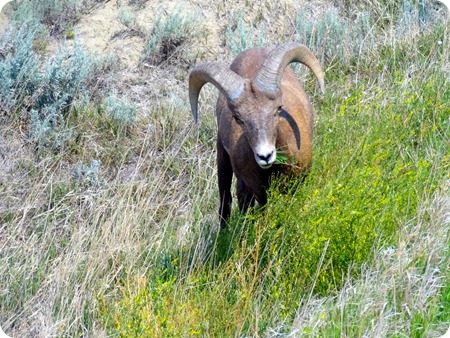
pixel 65 240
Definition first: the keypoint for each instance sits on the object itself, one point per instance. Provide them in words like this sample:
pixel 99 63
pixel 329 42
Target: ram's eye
pixel 238 120
pixel 278 111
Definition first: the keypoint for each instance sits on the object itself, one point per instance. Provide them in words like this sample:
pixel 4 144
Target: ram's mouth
pixel 266 166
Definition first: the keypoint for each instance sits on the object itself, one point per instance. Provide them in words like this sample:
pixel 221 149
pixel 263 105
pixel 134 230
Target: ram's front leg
pixel 244 195
pixel 225 176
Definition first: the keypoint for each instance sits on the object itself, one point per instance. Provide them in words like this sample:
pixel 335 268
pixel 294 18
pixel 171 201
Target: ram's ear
pixel 227 81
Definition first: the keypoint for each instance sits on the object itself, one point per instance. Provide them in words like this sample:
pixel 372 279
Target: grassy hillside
pixel 108 193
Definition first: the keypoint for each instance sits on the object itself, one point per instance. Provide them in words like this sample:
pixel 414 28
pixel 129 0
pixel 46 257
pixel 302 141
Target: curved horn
pixel 271 71
pixel 227 81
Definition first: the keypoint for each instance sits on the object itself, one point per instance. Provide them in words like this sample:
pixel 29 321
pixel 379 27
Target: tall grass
pixel 116 233
pixel 371 200
pixel 82 235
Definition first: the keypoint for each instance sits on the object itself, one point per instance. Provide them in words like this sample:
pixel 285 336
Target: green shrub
pixel 137 3
pixel 43 95
pixel 336 37
pixel 56 15
pixel 389 13
pixel 244 36
pixel 64 80
pixel 331 36
pixel 19 68
pixel 169 36
pixel 126 17
pixel 120 110
pixel 87 174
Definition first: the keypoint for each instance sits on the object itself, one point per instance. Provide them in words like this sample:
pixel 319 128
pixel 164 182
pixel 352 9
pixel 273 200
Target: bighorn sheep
pixel 261 108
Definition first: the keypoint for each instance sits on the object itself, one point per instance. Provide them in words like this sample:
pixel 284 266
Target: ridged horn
pixel 271 71
pixel 227 81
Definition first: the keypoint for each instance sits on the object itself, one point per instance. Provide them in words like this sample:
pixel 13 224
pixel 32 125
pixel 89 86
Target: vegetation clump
pixel 169 35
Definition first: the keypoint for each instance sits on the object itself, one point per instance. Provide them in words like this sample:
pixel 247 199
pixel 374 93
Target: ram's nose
pixel 266 158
